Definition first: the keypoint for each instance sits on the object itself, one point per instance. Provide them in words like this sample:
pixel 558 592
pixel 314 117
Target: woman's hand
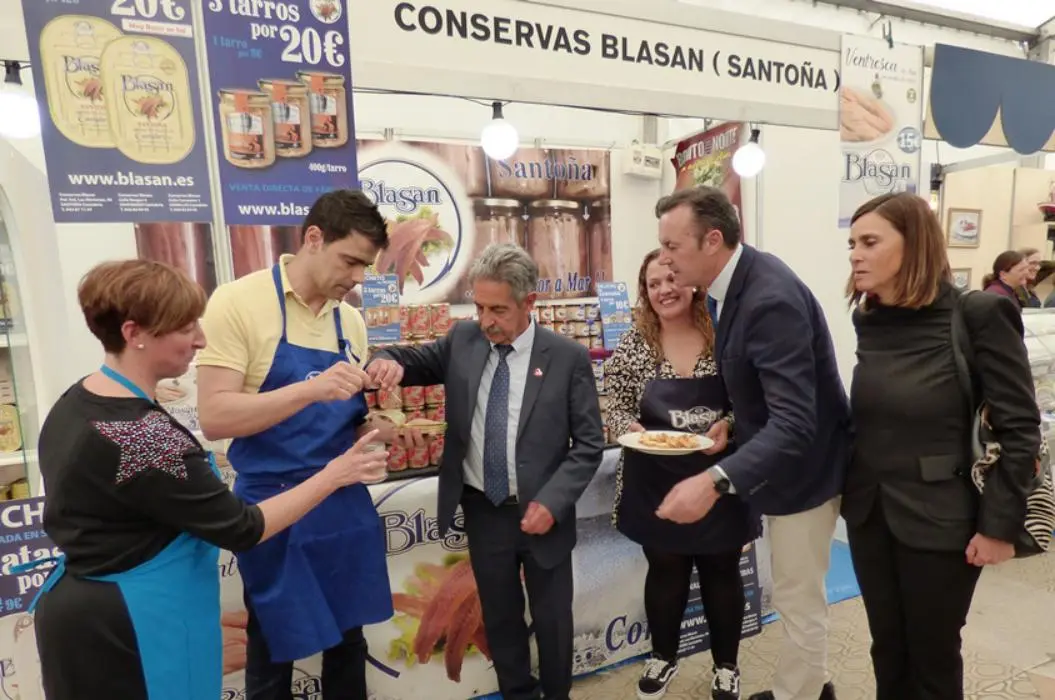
pixel 233 626
pixel 364 462
pixel 635 428
pixel 985 551
pixel 719 432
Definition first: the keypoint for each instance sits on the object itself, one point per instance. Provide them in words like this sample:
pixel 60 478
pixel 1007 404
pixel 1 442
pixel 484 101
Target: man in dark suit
pixel 777 360
pixel 523 442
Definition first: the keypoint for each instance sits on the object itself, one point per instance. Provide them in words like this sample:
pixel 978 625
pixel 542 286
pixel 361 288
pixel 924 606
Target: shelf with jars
pixel 426 406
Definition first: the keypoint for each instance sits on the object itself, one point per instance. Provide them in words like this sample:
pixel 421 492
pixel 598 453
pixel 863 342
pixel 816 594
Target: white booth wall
pixel 797 195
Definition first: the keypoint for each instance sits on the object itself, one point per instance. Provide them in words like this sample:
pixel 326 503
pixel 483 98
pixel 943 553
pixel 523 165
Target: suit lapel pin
pixel 538 372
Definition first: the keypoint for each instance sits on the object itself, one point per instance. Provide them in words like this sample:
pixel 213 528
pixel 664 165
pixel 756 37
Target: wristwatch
pixel 721 481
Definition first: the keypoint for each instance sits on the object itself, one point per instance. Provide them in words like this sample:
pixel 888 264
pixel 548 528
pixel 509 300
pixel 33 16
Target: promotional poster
pixel 446 202
pixel 706 159
pixel 188 247
pixel 121 121
pixel 281 97
pixel 880 121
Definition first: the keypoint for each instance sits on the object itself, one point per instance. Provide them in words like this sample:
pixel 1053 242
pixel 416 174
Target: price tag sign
pixel 120 109
pixel 616 317
pixel 282 100
pixel 381 308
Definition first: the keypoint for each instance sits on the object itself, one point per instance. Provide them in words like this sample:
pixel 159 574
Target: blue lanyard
pixel 125 382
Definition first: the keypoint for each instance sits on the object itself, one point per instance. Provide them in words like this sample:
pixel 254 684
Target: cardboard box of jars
pixel 425 323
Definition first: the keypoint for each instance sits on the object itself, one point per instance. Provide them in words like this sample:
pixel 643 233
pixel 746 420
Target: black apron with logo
pixel 687 405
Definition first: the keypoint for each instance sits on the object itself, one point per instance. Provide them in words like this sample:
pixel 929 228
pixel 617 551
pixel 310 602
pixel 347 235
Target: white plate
pixel 633 442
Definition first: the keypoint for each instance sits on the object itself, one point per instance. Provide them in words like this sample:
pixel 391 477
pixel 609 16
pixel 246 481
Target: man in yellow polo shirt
pixel 282 375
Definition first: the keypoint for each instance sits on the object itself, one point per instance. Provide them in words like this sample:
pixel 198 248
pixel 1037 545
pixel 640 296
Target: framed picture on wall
pixel 961 278
pixel 964 228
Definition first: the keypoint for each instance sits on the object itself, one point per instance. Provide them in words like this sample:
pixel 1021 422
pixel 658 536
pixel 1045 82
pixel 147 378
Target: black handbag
pixel 1036 535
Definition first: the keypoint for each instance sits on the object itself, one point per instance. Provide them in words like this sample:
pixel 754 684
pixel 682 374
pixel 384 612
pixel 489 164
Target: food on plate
pixel 670 441
pixel 440 610
pixel 411 240
pixel 862 117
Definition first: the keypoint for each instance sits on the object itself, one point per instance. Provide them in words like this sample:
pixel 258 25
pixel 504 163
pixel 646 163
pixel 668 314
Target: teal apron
pixel 173 601
pixel 326 574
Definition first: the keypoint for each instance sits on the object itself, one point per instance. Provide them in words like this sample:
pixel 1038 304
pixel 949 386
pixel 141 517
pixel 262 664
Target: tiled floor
pixel 1009 646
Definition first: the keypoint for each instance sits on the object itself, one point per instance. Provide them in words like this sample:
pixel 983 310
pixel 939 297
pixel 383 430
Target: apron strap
pixel 344 346
pixel 125 382
pixel 276 275
pixel 54 575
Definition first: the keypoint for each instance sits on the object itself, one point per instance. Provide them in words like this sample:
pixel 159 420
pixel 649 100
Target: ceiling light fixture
pixel 749 159
pixel 499 138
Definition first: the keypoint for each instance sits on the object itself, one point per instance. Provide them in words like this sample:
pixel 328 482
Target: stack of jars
pixel 579 321
pixel 424 321
pixel 415 402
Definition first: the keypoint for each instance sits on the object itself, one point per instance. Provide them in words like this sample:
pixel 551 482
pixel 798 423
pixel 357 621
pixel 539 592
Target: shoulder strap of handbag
pixel 963 353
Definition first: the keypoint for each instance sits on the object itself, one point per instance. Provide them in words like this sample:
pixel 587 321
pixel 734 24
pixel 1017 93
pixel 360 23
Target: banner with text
pixel 122 129
pixel 446 202
pixel 281 97
pixel 880 121
pixel 534 42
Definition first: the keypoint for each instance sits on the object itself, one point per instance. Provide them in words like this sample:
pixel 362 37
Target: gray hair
pixel 505 262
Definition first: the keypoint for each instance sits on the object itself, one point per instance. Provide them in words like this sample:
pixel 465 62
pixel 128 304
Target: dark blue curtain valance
pixel 969 87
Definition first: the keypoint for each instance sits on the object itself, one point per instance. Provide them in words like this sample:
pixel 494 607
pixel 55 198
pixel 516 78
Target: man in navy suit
pixel 792 430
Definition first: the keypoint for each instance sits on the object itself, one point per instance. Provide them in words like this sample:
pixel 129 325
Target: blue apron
pixel 327 573
pixel 173 601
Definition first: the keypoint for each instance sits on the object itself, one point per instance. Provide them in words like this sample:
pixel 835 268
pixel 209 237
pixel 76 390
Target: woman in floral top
pixel 662 376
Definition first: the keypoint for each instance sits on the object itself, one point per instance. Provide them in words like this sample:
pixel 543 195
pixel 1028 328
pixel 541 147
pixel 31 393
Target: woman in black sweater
pixel 919 533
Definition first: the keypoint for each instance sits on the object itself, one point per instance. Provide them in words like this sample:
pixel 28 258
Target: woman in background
pixel 1027 297
pixel 132 609
pixel 1010 272
pixel 919 533
pixel 662 376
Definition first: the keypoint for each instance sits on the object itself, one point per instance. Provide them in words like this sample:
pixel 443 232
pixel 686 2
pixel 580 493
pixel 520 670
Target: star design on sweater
pixel 147 443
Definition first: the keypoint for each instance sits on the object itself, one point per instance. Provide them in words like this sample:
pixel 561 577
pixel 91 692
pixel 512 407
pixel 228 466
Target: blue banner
pixel 616 318
pixel 120 108
pixel 281 95
pixel 381 308
pixel 22 541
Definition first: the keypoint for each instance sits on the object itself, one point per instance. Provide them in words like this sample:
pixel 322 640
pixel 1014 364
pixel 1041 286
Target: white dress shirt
pixel 719 289
pixel 519 362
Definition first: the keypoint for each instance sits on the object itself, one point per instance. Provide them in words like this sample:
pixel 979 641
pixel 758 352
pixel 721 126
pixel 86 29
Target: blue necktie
pixel 496 428
pixel 712 309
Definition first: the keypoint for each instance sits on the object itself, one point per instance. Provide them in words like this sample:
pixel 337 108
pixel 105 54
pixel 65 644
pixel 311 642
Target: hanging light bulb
pixel 499 138
pixel 749 159
pixel 19 118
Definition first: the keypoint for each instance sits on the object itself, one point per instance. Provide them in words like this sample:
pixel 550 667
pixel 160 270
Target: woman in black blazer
pixel 919 533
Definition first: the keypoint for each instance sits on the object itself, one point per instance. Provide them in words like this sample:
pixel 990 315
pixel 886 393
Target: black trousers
pixel 343 668
pixel 667 594
pixel 498 549
pixel 917 603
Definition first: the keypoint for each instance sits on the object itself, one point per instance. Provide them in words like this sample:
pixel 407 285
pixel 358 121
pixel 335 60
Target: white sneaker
pixel 726 683
pixel 656 678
